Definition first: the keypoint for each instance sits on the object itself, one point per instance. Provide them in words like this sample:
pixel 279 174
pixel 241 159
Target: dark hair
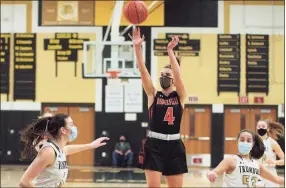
pixel 178 60
pixel 258 148
pixel 36 130
pixel 275 129
pixel 45 112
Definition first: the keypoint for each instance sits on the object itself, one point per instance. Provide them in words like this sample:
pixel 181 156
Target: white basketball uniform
pixel 245 174
pixel 269 154
pixel 55 175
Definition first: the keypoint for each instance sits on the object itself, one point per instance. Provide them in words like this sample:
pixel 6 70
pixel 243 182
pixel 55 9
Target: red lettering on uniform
pixel 172 101
pixel 169 116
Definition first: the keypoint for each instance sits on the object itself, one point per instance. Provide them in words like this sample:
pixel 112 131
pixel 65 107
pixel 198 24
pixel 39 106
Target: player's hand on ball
pixel 211 176
pixel 98 142
pixel 173 43
pixel 136 38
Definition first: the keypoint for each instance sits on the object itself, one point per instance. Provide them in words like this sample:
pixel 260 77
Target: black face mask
pixel 262 132
pixel 122 140
pixel 165 82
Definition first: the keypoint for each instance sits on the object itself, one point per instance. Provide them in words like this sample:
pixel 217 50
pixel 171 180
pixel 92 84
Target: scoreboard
pixel 25 66
pixel 257 63
pixel 66 46
pixel 228 63
pixel 5 39
pixel 186 46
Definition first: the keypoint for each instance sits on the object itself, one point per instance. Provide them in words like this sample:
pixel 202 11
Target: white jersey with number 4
pixel 245 174
pixel 56 174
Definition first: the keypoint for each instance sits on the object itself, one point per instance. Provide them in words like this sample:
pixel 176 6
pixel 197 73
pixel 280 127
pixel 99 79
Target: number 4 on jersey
pixel 169 116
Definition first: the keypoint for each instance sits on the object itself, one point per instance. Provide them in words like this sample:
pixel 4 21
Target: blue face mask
pixel 244 148
pixel 73 134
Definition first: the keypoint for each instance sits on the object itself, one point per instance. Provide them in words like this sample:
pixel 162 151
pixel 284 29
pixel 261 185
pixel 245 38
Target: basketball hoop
pixel 113 74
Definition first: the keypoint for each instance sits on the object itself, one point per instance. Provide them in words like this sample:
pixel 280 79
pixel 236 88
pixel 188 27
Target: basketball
pixel 136 12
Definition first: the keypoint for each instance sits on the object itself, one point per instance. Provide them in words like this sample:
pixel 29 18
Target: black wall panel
pixel 191 13
pixel 217 138
pixel 11 123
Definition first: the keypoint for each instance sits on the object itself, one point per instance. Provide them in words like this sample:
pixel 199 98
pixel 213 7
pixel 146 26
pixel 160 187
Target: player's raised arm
pixel 145 76
pixel 176 69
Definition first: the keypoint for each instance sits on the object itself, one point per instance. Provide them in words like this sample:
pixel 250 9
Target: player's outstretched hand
pixel 173 43
pixel 211 176
pixel 98 142
pixel 136 38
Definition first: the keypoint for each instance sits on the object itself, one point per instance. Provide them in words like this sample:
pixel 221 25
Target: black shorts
pixel 168 157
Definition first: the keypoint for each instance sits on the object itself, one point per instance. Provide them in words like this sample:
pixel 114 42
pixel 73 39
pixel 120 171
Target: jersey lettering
pixel 245 180
pixel 169 116
pixel 63 165
pixel 245 169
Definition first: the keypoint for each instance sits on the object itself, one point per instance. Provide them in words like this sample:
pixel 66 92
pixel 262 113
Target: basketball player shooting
pixel 164 152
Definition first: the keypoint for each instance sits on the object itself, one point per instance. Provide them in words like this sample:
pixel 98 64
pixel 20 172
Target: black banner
pixel 25 66
pixel 257 63
pixel 228 72
pixel 186 46
pixel 185 36
pixel 5 39
pixel 66 46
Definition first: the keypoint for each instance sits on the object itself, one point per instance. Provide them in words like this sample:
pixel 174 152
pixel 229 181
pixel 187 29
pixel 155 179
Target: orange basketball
pixel 136 12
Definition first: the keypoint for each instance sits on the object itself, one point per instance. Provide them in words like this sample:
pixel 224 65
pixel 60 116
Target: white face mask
pixel 244 148
pixel 73 134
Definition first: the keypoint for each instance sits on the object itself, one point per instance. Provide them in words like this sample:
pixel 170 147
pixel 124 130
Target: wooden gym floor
pixel 109 177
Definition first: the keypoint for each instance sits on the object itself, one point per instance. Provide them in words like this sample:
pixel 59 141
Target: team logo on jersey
pixel 244 169
pixel 171 101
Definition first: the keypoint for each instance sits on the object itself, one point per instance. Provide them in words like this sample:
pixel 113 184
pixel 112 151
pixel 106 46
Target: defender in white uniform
pixel 267 156
pixel 245 174
pixel 243 170
pixel 56 174
pixel 49 168
pixel 268 130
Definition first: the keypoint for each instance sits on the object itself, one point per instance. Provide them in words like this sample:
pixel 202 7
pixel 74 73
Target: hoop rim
pixel 113 73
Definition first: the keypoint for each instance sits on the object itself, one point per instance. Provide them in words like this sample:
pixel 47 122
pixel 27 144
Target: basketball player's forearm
pixel 177 75
pixel 280 180
pixel 176 71
pixel 26 184
pixel 71 149
pixel 174 63
pixel 145 76
pixel 280 162
pixel 139 57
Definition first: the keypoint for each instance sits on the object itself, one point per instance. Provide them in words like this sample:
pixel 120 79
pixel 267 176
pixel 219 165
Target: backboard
pixel 101 57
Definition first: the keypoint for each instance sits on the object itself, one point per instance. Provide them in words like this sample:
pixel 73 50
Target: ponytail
pixel 47 113
pixel 258 148
pixel 275 129
pixel 35 132
pixel 31 136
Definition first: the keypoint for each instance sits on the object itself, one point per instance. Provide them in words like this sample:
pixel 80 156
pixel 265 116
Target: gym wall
pixel 68 92
pixel 200 72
